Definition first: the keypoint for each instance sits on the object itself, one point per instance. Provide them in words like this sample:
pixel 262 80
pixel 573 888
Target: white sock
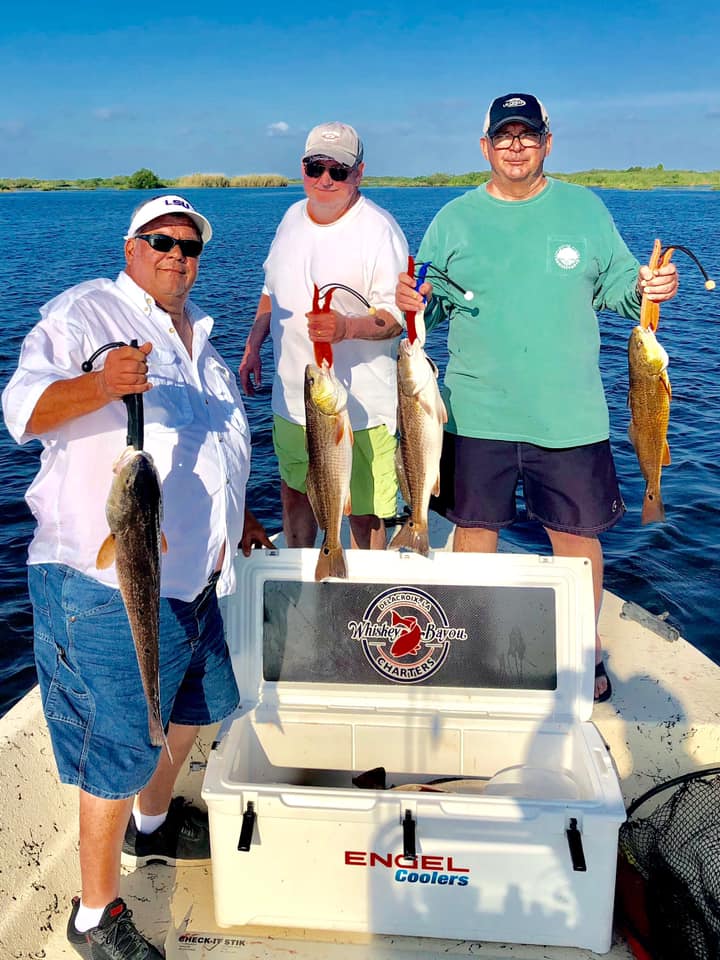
pixel 146 823
pixel 87 917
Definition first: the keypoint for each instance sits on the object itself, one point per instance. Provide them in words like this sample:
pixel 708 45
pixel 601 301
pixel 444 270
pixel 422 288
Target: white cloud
pixel 13 129
pixel 109 113
pixel 279 129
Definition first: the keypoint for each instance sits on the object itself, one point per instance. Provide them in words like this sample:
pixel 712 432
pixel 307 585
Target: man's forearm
pixel 65 400
pixel 380 325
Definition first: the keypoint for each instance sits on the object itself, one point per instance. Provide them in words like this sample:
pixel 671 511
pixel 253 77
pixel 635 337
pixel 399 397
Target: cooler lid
pixel 484 634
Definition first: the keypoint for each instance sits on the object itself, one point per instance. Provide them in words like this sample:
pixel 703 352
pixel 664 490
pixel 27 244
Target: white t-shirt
pixel 195 430
pixel 365 250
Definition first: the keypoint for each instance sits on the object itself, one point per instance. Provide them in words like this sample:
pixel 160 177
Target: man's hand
pixel 407 298
pixel 250 371
pixel 253 534
pixel 327 327
pixel 659 284
pixel 125 371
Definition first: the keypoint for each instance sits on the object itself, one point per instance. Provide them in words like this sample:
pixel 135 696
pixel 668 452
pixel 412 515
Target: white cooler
pixel 414 755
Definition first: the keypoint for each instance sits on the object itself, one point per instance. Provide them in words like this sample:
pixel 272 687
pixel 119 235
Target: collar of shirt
pixel 201 321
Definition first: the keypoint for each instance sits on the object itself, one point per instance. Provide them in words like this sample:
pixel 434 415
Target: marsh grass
pixel 634 178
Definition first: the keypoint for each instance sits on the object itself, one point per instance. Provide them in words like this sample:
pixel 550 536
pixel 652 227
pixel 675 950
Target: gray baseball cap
pixel 335 140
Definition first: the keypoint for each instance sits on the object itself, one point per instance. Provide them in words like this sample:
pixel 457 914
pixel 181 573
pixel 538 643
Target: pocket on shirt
pixel 167 406
pixel 566 256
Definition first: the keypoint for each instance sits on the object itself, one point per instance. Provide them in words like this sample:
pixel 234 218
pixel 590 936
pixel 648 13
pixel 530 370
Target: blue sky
pixel 103 89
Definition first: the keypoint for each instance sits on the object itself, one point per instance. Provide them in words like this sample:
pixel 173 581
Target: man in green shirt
pixel 522 388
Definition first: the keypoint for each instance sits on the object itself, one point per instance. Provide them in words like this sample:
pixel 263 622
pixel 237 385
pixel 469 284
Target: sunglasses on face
pixel 164 244
pixel 314 169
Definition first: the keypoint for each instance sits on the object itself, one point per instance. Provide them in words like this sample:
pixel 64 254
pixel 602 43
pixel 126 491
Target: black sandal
pixel 600 671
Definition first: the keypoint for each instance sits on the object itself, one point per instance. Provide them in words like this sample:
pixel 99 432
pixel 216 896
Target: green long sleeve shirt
pixel 524 353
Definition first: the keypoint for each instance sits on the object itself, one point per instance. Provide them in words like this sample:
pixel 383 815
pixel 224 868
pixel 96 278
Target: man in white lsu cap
pixel 197 434
pixel 150 210
pixel 335 237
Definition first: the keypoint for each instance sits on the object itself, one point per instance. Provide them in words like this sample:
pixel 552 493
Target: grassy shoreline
pixel 634 178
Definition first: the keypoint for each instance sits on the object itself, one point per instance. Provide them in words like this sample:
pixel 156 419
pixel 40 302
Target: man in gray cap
pixel 336 237
pixel 523 390
pixel 196 431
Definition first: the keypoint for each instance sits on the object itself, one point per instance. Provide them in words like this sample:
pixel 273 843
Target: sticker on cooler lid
pixel 405 634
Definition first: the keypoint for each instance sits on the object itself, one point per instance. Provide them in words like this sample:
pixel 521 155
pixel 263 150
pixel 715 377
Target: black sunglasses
pixel 338 174
pixel 164 244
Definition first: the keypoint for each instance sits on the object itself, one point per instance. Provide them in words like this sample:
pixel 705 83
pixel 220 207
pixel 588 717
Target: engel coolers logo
pixel 405 634
pixel 440 871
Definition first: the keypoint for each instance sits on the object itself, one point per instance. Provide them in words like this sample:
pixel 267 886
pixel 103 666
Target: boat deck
pixel 663 720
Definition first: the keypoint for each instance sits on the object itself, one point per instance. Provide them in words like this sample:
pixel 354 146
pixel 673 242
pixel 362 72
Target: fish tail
pixel 653 509
pixel 157 731
pixel 411 536
pixel 331 562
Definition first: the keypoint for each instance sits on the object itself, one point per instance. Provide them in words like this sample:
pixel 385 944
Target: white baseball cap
pixel 335 140
pixel 159 206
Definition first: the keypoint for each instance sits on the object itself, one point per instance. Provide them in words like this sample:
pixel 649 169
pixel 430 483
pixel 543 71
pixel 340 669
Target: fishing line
pixel 133 401
pixel 331 287
pixel 429 266
pixel 709 284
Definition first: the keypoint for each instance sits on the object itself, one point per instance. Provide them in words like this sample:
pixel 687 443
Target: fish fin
pixel 163 543
pixel 158 738
pixel 411 536
pixel 401 475
pixel 666 461
pixel 341 428
pixel 428 407
pixel 331 563
pixel 443 413
pixel 156 729
pixel 106 553
pixel 436 487
pixel 653 509
pixel 665 380
pixel 347 509
pixel 631 434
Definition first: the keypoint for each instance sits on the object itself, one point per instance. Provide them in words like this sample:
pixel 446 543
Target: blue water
pixel 53 240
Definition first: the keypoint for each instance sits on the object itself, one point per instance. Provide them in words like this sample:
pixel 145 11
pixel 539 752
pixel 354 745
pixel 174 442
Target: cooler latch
pixel 248 825
pixel 574 839
pixel 408 828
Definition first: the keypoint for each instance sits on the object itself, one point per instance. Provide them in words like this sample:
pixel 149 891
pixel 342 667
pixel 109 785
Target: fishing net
pixel 669 882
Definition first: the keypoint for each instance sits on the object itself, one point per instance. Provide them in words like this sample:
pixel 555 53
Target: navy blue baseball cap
pixel 516 108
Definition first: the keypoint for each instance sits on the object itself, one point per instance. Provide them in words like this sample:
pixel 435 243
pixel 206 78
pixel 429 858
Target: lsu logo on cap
pixel 177 202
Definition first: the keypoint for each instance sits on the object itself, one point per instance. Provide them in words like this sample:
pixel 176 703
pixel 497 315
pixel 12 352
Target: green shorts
pixel 373 481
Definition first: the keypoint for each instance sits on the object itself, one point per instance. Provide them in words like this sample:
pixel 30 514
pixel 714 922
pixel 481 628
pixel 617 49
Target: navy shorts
pixel 90 680
pixel 572 489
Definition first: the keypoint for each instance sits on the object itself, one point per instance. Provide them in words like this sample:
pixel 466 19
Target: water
pixel 53 240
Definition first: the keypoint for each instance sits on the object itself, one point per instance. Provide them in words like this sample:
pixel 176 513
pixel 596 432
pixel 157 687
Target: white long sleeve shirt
pixel 195 430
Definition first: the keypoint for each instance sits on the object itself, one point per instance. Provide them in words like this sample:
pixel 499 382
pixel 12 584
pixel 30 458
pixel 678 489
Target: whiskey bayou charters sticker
pixel 405 634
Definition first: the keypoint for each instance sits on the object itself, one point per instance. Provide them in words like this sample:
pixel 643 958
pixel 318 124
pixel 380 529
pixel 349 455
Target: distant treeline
pixel 145 179
pixel 634 178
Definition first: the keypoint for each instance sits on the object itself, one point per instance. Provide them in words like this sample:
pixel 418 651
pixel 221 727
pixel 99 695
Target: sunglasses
pixel 164 244
pixel 338 174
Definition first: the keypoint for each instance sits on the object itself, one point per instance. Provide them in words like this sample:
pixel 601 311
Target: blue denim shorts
pixel 90 680
pixel 570 489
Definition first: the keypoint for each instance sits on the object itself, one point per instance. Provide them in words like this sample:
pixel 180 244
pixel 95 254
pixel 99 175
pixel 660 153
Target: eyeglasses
pixel 503 141
pixel 164 244
pixel 314 169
